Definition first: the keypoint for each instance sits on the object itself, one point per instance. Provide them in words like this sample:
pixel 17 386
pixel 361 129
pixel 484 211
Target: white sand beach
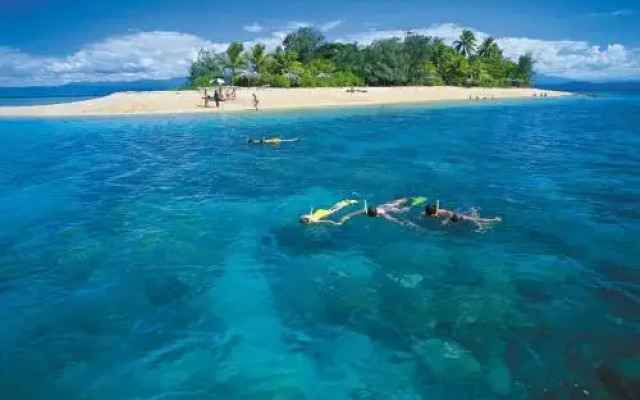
pixel 190 101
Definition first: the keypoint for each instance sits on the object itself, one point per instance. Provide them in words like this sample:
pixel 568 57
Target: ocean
pixel 162 258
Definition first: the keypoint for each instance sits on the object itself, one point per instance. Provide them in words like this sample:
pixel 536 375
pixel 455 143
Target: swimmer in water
pixel 399 206
pixel 434 211
pixel 320 215
pixel 274 141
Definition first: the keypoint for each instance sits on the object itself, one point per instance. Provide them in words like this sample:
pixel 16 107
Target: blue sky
pixel 50 42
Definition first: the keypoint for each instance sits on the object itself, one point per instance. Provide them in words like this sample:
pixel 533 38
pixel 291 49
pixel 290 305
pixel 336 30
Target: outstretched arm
pixel 398 222
pixel 340 205
pixel 349 216
pixel 481 222
pixel 328 221
pixel 487 220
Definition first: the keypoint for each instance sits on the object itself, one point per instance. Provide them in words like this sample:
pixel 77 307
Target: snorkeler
pixel 434 211
pixel 275 141
pixel 399 206
pixel 320 215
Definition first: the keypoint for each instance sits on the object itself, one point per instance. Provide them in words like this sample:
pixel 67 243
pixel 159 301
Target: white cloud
pixel 576 59
pixel 253 28
pixel 615 13
pixel 292 26
pixel 163 55
pixel 326 27
pixel 449 32
pixel 142 55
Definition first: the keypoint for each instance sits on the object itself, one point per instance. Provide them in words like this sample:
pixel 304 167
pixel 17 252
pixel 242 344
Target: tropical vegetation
pixel 307 59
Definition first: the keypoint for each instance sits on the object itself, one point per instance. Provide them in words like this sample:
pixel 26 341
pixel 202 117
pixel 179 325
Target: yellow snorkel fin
pixel 416 201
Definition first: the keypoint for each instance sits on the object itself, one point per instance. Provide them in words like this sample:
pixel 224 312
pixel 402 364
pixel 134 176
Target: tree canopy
pixel 304 42
pixel 305 59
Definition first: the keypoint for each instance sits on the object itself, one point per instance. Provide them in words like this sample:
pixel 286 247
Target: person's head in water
pixel 372 212
pixel 431 210
pixel 305 219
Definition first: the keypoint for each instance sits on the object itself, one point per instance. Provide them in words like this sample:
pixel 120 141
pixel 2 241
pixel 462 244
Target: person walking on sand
pixel 256 102
pixel 216 98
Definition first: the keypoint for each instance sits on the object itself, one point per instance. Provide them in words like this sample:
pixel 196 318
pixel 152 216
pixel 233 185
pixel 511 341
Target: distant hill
pixel 90 89
pixel 550 82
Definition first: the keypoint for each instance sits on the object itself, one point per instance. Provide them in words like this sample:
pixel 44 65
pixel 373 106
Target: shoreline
pixel 191 102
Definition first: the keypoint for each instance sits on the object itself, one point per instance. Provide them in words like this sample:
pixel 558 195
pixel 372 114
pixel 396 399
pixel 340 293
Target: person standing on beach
pixel 216 98
pixel 256 102
pixel 206 99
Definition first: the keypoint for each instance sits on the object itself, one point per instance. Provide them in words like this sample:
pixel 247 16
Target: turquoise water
pixel 44 100
pixel 161 257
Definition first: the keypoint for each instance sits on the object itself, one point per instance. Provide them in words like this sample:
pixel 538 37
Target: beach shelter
pixel 323 75
pixel 217 81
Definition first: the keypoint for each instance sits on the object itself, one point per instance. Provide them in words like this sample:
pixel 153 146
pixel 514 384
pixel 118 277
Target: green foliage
pixel 304 42
pixel 336 79
pixel 429 75
pixel 524 70
pixel 489 49
pixel 205 66
pixel 386 63
pixel 203 80
pixel 456 70
pixel 276 80
pixel 416 60
pixel 234 59
pixel 285 61
pixel 258 58
pixel 346 57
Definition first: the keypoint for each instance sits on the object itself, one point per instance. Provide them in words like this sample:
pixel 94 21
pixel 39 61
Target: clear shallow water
pixel 33 101
pixel 161 257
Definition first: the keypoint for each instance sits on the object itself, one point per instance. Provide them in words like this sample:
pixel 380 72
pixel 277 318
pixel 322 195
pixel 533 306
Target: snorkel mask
pixel 306 218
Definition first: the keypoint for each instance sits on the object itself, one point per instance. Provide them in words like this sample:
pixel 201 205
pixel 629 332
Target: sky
pixel 47 42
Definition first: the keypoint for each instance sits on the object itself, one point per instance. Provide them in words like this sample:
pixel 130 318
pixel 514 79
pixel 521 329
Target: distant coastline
pixel 191 101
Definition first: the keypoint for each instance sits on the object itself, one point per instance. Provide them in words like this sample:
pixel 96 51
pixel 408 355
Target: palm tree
pixel 484 49
pixel 466 45
pixel 489 49
pixel 234 58
pixel 286 60
pixel 258 57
